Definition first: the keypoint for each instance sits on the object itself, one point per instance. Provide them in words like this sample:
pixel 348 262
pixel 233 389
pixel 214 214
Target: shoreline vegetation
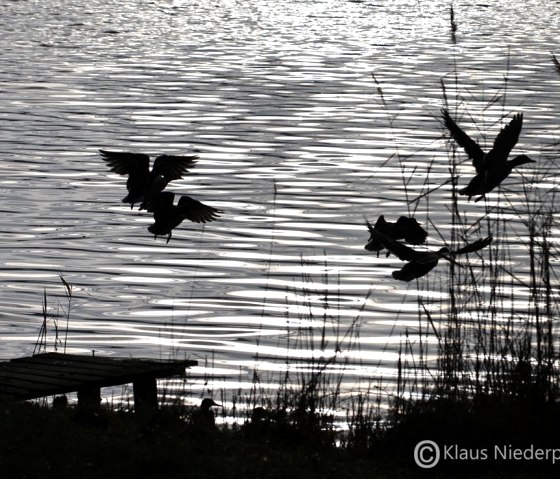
pixel 479 376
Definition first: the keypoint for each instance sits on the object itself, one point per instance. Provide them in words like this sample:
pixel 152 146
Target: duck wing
pixel 196 211
pixel 374 243
pixel 136 166
pixel 172 167
pixel 411 231
pixel 411 271
pixel 124 163
pixel 471 147
pixel 472 247
pixel 381 223
pixel 506 140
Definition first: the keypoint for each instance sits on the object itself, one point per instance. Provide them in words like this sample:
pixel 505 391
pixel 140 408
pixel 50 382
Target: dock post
pixel 89 397
pixel 145 395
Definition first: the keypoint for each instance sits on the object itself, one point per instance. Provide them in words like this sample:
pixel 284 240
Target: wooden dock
pixel 50 374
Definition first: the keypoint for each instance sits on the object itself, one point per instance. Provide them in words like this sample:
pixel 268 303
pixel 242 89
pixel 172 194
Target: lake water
pixel 308 116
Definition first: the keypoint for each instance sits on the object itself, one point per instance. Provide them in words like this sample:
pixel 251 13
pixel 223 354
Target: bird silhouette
pixel 202 418
pixel 420 263
pixel 144 185
pixel 404 228
pixel 168 216
pixel 492 167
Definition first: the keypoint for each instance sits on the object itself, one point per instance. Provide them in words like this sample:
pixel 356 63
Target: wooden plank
pixel 95 366
pixel 46 370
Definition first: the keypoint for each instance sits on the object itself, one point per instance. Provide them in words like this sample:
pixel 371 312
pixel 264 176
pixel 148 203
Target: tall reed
pixel 495 324
pixel 50 316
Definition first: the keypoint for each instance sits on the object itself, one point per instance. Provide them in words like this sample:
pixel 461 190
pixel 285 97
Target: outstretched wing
pixel 507 138
pixel 411 230
pixel 411 271
pixel 196 211
pixel 172 167
pixel 124 163
pixel 469 145
pixel 373 244
pixel 476 246
pixel 381 223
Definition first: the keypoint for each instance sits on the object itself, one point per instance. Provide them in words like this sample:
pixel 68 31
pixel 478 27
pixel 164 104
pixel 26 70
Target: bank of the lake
pixel 37 441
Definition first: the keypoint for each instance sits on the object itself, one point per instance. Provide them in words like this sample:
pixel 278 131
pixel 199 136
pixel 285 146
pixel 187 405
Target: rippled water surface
pixel 300 112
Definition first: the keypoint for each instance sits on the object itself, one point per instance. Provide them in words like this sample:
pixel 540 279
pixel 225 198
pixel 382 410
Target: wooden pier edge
pixel 50 374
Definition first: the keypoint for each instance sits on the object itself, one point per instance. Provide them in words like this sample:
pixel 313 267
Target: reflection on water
pixel 297 143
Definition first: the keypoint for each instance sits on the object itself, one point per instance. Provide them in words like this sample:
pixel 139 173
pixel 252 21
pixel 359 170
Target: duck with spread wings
pixel 168 216
pixel 420 263
pixel 144 184
pixel 493 167
pixel 404 228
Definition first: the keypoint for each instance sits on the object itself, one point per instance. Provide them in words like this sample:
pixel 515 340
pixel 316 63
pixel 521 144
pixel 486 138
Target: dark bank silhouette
pixel 492 167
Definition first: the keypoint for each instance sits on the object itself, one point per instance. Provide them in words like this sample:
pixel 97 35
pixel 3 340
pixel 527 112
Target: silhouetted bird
pixel 422 262
pixel 404 228
pixel 144 185
pixel 168 216
pixel 492 167
pixel 260 415
pixel 203 417
pixel 264 424
pixel 60 402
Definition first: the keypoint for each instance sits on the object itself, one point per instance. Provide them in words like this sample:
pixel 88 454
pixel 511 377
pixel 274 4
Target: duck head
pixel 207 403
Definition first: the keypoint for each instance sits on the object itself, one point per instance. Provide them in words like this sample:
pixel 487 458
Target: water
pixel 296 145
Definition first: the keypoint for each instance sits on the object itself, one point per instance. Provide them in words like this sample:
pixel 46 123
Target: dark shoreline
pixel 38 441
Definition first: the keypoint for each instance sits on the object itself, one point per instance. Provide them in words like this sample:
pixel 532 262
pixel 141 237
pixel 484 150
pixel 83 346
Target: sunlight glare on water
pixel 299 111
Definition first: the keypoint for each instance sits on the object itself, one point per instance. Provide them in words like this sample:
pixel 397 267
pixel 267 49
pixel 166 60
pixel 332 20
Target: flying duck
pixel 420 263
pixel 404 228
pixel 144 185
pixel 168 216
pixel 492 167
